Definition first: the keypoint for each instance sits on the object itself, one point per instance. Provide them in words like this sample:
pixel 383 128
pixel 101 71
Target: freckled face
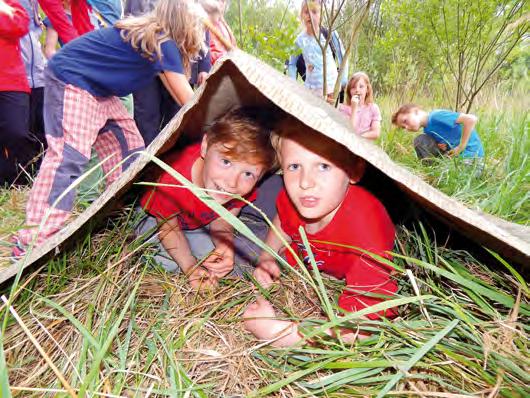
pixel 223 174
pixel 315 185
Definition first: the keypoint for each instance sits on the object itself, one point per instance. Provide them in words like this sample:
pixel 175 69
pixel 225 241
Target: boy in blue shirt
pixel 444 132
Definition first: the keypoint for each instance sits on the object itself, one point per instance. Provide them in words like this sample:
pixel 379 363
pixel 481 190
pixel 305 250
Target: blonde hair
pixel 318 143
pixel 178 20
pixel 310 4
pixel 369 91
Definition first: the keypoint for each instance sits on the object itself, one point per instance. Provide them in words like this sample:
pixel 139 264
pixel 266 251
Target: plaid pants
pixel 75 121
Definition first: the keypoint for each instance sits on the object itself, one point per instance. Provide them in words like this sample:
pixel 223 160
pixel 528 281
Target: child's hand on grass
pixel 202 279
pixel 267 272
pixel 455 151
pixel 220 262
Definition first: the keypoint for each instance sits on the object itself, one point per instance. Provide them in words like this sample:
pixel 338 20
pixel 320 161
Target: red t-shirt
pixel 361 221
pixel 165 202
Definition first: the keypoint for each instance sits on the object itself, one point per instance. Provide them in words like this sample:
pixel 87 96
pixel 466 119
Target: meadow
pixel 99 320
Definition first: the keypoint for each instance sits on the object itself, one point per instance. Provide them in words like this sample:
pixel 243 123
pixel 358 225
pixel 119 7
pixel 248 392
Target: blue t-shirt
pixel 101 63
pixel 442 126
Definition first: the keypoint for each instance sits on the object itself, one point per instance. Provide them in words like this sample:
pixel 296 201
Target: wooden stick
pixel 208 24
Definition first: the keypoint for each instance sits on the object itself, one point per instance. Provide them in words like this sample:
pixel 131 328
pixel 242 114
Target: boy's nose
pixel 231 180
pixel 306 180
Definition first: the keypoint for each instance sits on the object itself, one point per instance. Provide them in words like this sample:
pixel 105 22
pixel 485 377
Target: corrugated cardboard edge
pixel 511 240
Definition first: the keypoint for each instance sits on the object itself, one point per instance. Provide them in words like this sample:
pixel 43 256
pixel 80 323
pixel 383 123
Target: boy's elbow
pixel 469 118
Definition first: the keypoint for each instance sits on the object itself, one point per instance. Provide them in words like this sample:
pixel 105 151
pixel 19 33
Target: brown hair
pixel 320 144
pixel 407 108
pixel 369 91
pixel 245 135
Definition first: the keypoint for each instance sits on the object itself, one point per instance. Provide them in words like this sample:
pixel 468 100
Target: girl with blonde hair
pixel 82 109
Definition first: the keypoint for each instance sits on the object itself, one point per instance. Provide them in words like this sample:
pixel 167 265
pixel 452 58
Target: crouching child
pixel 444 132
pixel 322 196
pixel 234 154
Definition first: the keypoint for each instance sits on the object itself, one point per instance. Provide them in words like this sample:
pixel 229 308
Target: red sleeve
pixel 67 32
pixel 80 17
pixel 17 25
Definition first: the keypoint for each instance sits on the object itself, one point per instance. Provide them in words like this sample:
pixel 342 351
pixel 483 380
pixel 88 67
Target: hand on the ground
pixel 455 151
pixel 442 147
pixel 259 320
pixel 201 279
pixel 220 262
pixel 267 272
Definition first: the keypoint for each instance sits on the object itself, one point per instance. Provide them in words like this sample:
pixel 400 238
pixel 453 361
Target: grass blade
pixel 416 357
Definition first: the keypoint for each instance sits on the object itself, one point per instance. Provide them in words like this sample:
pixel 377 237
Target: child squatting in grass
pixel 321 195
pixel 444 132
pixel 232 157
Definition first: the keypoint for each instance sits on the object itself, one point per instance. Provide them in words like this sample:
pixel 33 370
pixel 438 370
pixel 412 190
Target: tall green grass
pixel 503 188
pixel 115 327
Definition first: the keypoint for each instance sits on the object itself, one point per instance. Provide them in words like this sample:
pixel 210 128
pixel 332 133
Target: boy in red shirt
pixel 321 196
pixel 234 154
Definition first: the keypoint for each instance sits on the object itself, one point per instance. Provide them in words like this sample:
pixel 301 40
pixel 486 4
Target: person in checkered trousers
pixel 82 109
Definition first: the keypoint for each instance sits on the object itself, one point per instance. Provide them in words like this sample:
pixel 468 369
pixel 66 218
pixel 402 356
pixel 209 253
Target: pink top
pixel 366 115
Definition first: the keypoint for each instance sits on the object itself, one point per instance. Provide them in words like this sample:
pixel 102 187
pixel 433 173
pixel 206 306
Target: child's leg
pixel 72 120
pixel 118 138
pixel 246 251
pixel 426 147
pixel 16 147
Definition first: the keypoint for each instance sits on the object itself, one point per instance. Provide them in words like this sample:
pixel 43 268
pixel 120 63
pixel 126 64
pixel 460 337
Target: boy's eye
pixel 293 167
pixel 324 167
pixel 248 174
pixel 226 162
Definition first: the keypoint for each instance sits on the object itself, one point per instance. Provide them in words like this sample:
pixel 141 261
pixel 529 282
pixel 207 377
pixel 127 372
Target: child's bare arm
pixel 50 46
pixel 177 85
pixel 374 132
pixel 468 123
pixel 221 261
pixel 259 320
pixel 177 246
pixel 267 270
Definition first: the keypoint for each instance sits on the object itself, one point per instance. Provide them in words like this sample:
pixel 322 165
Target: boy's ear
pixel 357 170
pixel 204 146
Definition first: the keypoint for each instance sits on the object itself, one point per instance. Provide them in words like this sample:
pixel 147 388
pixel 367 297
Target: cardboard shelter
pixel 240 79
